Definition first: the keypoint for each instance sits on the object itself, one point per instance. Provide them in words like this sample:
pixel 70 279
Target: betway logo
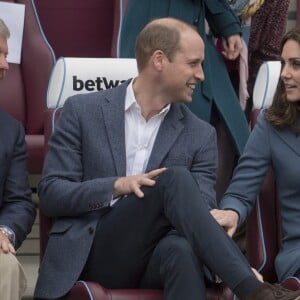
pixel 99 84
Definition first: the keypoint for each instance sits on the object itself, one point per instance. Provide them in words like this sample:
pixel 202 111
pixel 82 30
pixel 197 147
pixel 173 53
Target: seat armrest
pixel 291 283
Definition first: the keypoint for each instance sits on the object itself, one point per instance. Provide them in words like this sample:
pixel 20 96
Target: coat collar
pixel 290 138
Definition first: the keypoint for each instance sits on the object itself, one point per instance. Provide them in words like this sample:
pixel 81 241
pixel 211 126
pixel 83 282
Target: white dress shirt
pixel 140 134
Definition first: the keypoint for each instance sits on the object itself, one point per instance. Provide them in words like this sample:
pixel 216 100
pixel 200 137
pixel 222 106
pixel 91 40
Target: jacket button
pixel 91 230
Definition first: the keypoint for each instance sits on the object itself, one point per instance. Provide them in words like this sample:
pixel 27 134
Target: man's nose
pixel 199 73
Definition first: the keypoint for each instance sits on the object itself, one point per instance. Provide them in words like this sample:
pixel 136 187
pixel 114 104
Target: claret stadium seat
pixel 77 28
pixel 23 90
pixel 111 72
pixel 264 223
pixel 119 11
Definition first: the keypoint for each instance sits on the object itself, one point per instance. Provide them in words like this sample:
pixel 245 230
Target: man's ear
pixel 158 59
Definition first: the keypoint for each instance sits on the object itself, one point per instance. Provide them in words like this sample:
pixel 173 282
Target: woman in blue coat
pixel 216 93
pixel 275 143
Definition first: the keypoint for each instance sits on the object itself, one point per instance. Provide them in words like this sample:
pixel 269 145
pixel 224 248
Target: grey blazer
pixel 86 155
pixel 16 208
pixel 279 149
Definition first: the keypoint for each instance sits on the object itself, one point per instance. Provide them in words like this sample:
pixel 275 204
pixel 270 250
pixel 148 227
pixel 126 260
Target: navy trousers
pixel 133 246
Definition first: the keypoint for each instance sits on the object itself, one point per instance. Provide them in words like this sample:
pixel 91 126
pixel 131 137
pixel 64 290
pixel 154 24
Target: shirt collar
pixel 130 100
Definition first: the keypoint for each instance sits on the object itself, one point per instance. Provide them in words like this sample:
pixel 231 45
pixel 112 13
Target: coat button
pixel 91 230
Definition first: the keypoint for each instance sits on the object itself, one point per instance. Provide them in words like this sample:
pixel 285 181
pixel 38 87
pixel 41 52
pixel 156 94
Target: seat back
pixel 264 224
pixel 265 84
pixel 73 75
pixel 77 28
pixel 119 11
pixel 23 90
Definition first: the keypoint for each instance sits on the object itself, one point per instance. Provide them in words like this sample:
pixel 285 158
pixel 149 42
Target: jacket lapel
pixel 290 138
pixel 168 132
pixel 113 114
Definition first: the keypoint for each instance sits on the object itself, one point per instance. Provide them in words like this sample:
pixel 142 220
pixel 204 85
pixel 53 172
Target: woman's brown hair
pixel 283 113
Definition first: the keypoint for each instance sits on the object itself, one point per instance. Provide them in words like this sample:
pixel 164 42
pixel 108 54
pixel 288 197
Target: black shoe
pixel 268 291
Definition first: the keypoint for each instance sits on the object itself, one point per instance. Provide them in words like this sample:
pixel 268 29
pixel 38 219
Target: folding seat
pixel 119 11
pixel 264 223
pixel 111 72
pixel 77 28
pixel 23 90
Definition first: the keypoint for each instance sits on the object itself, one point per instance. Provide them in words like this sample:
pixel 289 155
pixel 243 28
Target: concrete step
pixel 30 247
pixel 29 257
pixel 35 232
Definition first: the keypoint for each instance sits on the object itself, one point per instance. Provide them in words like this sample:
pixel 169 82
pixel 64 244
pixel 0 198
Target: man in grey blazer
pixel 17 212
pixel 129 178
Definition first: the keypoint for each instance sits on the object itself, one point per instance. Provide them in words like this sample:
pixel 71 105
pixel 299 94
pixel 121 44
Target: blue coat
pixel 280 149
pixel 86 155
pixel 16 208
pixel 217 88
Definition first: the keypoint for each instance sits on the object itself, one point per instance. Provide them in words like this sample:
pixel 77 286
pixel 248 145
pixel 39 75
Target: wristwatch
pixel 8 233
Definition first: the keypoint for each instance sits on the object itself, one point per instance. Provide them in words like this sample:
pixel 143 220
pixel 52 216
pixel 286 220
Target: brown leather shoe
pixel 268 291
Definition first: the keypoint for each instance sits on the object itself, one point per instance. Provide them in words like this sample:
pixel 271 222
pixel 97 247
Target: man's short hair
pixel 160 34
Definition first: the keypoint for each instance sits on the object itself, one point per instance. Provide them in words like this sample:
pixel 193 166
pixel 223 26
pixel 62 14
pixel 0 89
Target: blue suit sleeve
pixel 250 171
pixel 17 211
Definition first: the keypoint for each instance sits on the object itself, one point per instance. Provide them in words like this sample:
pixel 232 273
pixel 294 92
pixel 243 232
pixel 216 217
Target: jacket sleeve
pixel 63 190
pixel 17 211
pixel 250 172
pixel 221 18
pixel 204 168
